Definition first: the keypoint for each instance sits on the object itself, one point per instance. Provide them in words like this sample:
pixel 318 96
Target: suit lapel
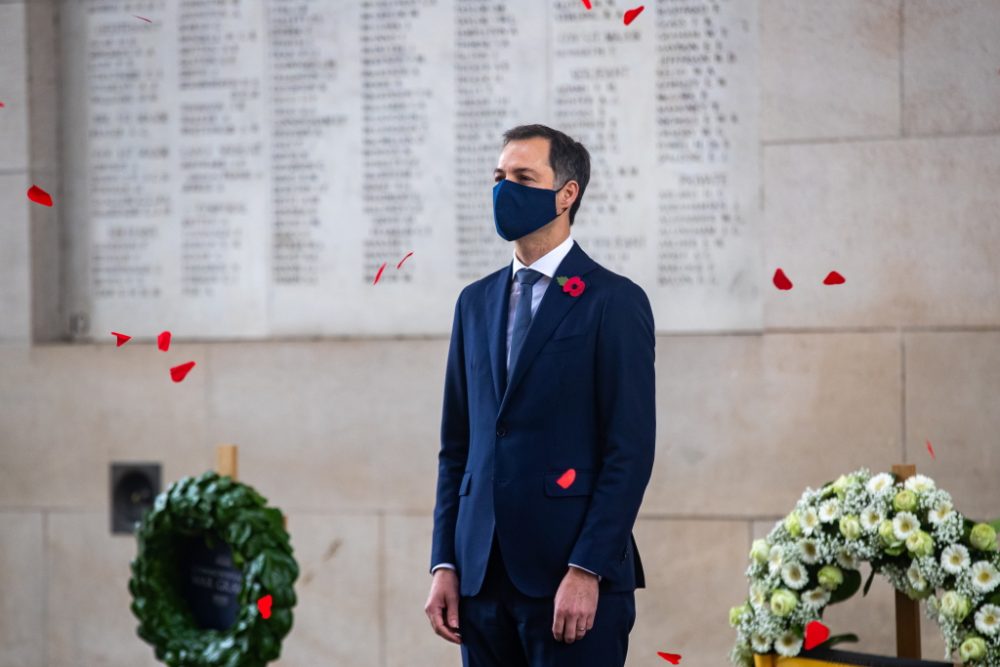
pixel 497 303
pixel 551 310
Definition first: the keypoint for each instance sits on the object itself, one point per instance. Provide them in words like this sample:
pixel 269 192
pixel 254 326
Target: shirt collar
pixel 547 263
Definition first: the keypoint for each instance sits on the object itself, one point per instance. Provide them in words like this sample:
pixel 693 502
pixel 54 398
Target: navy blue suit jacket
pixel 581 396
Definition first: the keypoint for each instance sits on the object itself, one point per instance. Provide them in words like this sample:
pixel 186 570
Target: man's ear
pixel 570 204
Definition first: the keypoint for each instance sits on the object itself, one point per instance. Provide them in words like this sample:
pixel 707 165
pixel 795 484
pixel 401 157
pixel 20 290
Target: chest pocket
pixel 567 338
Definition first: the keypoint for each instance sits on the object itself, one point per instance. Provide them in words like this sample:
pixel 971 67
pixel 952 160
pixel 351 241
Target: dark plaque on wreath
pixel 210 583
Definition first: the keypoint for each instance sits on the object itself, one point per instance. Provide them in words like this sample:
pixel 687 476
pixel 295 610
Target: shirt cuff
pixel 585 570
pixel 439 565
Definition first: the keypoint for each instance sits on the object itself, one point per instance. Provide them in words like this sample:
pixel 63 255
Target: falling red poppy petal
pixel 816 634
pixel 834 278
pixel 379 274
pixel 122 338
pixel 264 606
pixel 163 341
pixel 39 196
pixel 672 658
pixel 143 18
pixel 781 281
pixel 586 3
pixel 2 105
pixel 567 478
pixel 404 259
pixel 178 373
pixel 930 448
pixel 632 13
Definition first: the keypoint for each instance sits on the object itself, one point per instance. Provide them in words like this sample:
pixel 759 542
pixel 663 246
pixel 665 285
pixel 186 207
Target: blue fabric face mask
pixel 519 210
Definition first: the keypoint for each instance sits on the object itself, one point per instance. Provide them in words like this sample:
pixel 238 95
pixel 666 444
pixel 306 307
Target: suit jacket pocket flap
pixel 583 484
pixel 464 489
pixel 571 329
pixel 566 340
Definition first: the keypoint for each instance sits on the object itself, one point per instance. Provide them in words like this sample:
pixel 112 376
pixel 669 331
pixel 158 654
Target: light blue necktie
pixel 522 316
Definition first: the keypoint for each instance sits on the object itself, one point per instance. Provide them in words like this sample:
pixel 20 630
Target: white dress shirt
pixel 546 265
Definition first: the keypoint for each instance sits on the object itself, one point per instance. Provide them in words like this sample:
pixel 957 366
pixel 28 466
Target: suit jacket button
pixel 501 431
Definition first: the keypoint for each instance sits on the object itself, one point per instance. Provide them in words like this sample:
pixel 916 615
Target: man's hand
pixel 442 605
pixel 575 605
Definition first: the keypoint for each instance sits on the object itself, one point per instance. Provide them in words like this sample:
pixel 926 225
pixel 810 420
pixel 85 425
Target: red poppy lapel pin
pixel 573 286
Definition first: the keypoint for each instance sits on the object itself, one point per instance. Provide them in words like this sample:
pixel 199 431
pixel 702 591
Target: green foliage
pixel 846 638
pixel 260 547
pixel 852 582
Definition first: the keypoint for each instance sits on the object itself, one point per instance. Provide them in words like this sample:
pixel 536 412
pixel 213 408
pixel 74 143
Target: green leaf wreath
pixel 906 529
pixel 260 547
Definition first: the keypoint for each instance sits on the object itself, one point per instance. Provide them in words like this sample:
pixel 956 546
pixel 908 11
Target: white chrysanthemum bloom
pixel 788 644
pixel 984 577
pixel 847 560
pixel 988 619
pixel 809 520
pixel 919 484
pixel 880 483
pixel 870 519
pixel 940 513
pixel 760 643
pixel 775 559
pixel 917 580
pixel 905 524
pixel 809 550
pixel 829 510
pixel 955 558
pixel 758 595
pixel 794 575
pixel 816 598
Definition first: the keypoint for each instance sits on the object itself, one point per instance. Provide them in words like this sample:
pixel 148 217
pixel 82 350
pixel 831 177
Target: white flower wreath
pixel 907 530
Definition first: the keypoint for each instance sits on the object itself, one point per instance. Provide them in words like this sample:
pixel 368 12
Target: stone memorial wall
pixel 243 169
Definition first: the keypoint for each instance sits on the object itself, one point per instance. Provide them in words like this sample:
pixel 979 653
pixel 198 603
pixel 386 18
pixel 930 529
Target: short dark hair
pixel 568 158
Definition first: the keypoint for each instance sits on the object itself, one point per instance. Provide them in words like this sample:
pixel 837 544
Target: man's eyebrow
pixel 522 169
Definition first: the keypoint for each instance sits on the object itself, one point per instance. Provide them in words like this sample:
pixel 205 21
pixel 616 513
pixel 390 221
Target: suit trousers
pixel 502 627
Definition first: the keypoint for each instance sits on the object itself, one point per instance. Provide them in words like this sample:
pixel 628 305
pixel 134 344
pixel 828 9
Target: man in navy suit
pixel 547 434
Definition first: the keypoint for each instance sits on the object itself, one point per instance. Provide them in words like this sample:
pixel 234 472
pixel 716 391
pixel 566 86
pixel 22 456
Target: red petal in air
pixel 586 3
pixel 833 278
pixel 163 341
pixel 264 606
pixel 178 373
pixel 781 281
pixel 404 259
pixel 39 196
pixel 567 478
pixel 816 634
pixel 122 338
pixel 632 13
pixel 379 274
pixel 1 105
pixel 930 448
pixel 143 18
pixel 672 658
